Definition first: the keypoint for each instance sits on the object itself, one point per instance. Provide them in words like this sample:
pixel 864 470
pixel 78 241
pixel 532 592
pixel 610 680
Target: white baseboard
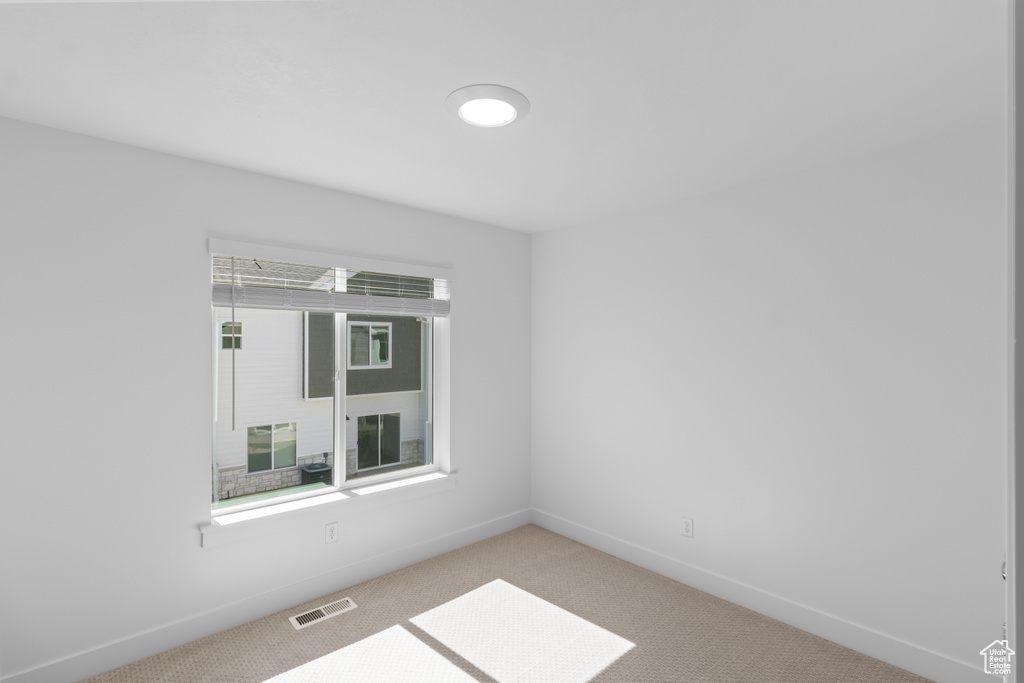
pixel 916 659
pixel 932 665
pixel 112 655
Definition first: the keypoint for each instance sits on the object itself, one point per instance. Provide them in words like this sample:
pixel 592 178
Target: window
pixel 271 447
pixel 312 334
pixel 369 345
pixel 231 335
pixel 379 441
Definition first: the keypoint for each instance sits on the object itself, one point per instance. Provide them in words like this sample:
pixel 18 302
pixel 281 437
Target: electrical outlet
pixel 332 532
pixel 687 527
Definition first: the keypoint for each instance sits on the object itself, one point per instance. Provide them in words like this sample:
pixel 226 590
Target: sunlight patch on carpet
pixel 391 655
pixel 513 635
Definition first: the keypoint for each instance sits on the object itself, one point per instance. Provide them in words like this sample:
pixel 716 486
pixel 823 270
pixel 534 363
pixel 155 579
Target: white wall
pixel 821 384
pixel 826 397
pixel 99 565
pixel 267 386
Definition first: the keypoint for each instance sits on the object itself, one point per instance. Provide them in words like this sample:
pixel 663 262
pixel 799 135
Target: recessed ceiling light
pixel 488 106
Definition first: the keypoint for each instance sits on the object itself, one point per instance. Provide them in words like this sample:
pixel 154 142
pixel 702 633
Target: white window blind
pixel 245 282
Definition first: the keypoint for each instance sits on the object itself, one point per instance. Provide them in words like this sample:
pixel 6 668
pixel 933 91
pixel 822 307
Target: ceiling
pixel 634 103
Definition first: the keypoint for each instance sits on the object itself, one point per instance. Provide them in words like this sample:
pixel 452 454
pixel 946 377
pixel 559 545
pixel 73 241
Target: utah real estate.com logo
pixel 997 658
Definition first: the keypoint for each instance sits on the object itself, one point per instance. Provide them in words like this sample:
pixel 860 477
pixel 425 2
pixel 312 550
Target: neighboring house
pixel 278 381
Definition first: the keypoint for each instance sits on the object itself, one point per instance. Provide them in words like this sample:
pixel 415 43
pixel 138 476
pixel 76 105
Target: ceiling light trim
pixel 485 91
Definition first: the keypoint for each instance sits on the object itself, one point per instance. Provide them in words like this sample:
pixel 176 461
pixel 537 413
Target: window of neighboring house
pixel 311 332
pixel 369 345
pixel 271 447
pixel 231 335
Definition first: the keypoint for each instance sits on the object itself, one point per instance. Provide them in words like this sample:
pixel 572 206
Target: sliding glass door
pixel 379 440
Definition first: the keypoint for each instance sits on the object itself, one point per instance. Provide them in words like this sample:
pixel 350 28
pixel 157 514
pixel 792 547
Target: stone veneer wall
pixel 414 452
pixel 234 481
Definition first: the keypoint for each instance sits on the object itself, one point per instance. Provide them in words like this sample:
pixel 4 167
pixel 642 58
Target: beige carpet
pixel 682 635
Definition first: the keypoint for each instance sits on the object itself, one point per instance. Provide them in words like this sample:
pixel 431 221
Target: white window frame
pixel 273 450
pixel 233 335
pixel 370 325
pixel 439 440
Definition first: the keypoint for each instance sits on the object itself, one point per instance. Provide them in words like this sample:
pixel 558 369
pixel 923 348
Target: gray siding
pixel 405 371
pixel 320 362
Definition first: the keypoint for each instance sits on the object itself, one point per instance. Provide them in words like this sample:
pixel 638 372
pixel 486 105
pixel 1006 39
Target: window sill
pixel 271 519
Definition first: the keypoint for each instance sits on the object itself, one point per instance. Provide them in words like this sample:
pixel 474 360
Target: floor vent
pixel 327 611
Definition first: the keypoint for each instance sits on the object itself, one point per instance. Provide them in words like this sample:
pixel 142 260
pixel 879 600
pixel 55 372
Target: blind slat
pixel 290 286
pixel 281 298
